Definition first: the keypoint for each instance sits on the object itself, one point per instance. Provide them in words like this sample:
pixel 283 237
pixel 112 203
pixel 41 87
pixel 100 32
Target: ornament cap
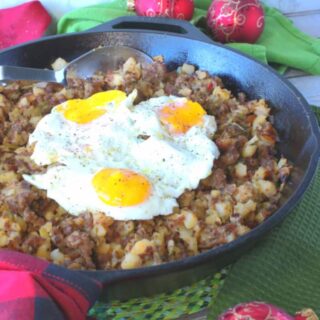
pixel 131 5
pixel 306 314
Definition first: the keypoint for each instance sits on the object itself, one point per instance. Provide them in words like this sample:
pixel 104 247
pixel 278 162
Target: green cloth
pixel 281 44
pixel 166 306
pixel 284 268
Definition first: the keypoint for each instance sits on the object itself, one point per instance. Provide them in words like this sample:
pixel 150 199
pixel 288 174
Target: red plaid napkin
pixel 33 289
pixel 23 23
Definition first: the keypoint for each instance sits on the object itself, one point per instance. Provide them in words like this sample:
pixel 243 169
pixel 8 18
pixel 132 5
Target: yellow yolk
pixel 179 118
pixel 121 187
pixel 85 110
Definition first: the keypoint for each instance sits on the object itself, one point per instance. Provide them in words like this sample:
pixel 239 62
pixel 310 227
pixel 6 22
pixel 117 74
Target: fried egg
pixel 105 154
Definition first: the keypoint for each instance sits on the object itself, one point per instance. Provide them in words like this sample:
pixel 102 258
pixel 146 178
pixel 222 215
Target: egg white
pixel 73 190
pixel 126 136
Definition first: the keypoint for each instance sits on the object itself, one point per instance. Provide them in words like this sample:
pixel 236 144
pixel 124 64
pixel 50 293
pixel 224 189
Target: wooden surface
pixel 305 14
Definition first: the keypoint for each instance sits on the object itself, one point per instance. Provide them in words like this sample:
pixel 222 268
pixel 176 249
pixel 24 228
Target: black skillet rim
pixel 259 230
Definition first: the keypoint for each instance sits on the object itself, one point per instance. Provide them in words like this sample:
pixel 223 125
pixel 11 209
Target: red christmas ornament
pixel 177 9
pixel 263 311
pixel 255 311
pixel 236 20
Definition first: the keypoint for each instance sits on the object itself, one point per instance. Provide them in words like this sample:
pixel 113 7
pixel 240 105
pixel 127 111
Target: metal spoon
pixel 104 58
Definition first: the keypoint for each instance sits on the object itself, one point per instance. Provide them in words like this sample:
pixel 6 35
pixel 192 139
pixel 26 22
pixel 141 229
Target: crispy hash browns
pixel 242 191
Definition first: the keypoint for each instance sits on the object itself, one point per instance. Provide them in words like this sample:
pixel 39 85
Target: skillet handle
pixel 153 24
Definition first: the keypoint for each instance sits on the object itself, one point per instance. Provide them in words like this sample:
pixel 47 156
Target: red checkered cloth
pixel 33 289
pixel 23 23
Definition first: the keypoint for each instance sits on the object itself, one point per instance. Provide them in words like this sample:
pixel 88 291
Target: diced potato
pixel 241 229
pixel 215 193
pixel 13 235
pixel 224 209
pixel 133 67
pixel 44 251
pixel 240 170
pixel 248 151
pixel 7 177
pixel 244 192
pixel 261 109
pixel 253 140
pixel 158 238
pixel 37 91
pixel 3 222
pixel 59 64
pixel 4 240
pixel 22 223
pixel 201 74
pixel 190 220
pixel 23 102
pixel 98 231
pixel 7 224
pixel 49 215
pixel 46 230
pixel 266 187
pixel 158 58
pixel 188 237
pixel 170 246
pixel 230 237
pixel 34 120
pixel 159 93
pixel 282 162
pixel 258 122
pixel 212 217
pixel 221 94
pixel 250 147
pixel 141 247
pixel 260 174
pixel 116 80
pixel 245 208
pixel 260 217
pixel 188 68
pixel 128 227
pixel 186 92
pixel 131 261
pixel 57 256
pixel 104 248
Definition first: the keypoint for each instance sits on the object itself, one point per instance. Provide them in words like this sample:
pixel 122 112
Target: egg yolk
pixel 86 110
pixel 180 117
pixel 121 187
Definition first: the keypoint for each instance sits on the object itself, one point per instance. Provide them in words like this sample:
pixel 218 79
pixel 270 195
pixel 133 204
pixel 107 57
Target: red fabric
pixel 23 23
pixel 33 289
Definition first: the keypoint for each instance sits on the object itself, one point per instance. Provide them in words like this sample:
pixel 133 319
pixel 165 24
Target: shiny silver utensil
pixel 104 58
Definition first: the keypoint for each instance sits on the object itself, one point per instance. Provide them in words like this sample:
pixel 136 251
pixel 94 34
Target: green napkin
pixel 284 268
pixel 89 17
pixel 280 43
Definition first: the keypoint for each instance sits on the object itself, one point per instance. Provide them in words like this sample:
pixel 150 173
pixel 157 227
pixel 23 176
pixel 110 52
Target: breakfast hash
pixel 156 166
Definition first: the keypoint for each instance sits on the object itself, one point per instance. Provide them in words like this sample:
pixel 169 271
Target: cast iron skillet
pixel 180 42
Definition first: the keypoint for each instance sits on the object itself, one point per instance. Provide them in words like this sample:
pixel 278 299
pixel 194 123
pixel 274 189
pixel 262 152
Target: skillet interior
pixel 296 125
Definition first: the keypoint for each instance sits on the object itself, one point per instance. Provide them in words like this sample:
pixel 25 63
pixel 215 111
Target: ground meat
pixel 217 179
pixel 242 191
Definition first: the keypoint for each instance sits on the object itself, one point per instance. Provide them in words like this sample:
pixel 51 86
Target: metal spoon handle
pixel 22 73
